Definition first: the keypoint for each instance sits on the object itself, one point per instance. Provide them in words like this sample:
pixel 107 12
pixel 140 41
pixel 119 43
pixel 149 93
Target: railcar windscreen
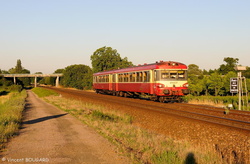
pixel 171 75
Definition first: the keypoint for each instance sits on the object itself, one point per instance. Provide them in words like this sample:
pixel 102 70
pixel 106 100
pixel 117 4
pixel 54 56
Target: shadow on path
pixel 43 119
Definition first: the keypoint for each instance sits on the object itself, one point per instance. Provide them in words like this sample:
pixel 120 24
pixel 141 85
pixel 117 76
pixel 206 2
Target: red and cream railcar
pixel 161 81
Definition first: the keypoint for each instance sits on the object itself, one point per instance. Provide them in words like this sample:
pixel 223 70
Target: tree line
pixel 214 82
pixel 76 76
pixel 201 82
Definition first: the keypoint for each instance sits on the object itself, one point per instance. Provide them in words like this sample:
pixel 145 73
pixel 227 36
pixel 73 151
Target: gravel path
pixel 49 135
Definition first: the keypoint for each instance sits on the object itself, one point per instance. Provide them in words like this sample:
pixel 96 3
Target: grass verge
pixel 44 92
pixel 11 107
pixel 140 145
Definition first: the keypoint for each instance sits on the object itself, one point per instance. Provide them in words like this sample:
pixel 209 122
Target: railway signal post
pixel 240 84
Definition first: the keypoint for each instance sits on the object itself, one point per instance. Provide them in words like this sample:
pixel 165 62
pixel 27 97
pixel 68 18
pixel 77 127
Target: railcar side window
pixel 133 77
pixel 126 77
pixel 120 77
pixel 139 77
pixel 114 78
pixel 130 77
pixel 107 78
pixel 146 76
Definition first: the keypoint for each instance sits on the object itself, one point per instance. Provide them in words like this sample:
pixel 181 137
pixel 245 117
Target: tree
pixel 59 70
pixel 78 76
pixel 246 73
pixel 195 85
pixel 194 70
pixel 229 66
pixel 106 58
pixel 18 69
pixel 195 82
pixel 216 83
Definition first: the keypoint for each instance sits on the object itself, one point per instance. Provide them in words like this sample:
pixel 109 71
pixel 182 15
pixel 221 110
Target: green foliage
pixel 194 70
pixel 15 88
pixel 212 82
pixel 78 76
pixel 41 92
pixel 216 83
pixel 47 81
pixel 106 58
pixel 166 157
pixel 105 116
pixel 110 117
pixel 231 63
pixel 6 82
pixel 18 69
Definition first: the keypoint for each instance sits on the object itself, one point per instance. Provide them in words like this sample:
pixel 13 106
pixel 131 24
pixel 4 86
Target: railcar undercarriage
pixel 162 99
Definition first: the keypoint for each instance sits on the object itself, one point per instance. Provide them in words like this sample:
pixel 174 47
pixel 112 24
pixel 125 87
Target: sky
pixel 47 35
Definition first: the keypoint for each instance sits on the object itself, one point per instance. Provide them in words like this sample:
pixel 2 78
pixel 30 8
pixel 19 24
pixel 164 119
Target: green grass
pixel 11 107
pixel 44 92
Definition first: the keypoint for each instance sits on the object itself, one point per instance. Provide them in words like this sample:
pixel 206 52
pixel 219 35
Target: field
pixel 11 106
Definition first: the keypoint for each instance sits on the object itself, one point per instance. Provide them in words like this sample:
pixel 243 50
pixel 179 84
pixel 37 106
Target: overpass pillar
pixel 57 81
pixel 35 82
pixel 14 80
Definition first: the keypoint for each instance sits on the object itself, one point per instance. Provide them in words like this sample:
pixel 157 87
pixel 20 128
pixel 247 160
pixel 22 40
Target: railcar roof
pixel 157 65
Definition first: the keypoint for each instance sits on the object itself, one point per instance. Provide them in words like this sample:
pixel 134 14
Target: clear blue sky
pixel 51 34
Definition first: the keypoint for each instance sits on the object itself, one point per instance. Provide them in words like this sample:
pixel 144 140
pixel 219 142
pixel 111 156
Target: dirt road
pixel 49 135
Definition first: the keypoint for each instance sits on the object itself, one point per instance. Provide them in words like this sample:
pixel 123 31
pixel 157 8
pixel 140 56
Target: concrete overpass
pixel 57 75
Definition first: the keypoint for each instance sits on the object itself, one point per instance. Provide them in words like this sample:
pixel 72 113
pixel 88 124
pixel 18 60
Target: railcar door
pixel 110 82
pixel 153 82
pixel 114 83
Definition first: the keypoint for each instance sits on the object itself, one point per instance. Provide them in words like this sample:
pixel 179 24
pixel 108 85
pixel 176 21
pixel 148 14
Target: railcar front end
pixel 170 84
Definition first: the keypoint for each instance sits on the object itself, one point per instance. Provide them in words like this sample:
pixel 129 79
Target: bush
pixel 15 88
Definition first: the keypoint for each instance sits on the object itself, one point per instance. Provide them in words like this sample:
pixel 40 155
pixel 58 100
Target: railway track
pixel 237 120
pixel 241 115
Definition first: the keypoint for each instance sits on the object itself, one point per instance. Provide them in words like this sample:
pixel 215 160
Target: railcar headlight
pixel 161 85
pixel 185 85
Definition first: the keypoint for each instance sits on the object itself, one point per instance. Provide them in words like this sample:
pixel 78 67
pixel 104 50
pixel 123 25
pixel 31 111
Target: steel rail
pixel 231 123
pixel 216 109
